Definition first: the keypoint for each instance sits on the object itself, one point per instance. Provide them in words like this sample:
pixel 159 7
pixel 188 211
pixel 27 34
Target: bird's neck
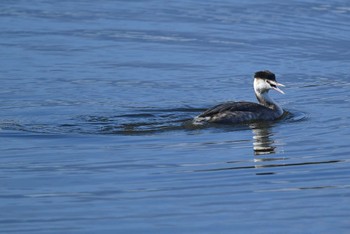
pixel 266 100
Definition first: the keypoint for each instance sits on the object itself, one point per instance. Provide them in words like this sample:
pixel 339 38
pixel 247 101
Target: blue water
pixel 96 97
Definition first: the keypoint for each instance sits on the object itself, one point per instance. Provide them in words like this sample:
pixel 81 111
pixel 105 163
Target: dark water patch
pixel 271 165
pixel 292 116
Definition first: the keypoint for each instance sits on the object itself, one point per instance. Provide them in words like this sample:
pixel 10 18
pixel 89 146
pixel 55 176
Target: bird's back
pixel 236 112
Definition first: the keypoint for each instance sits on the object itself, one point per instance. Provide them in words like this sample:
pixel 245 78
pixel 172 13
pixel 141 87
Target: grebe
pixel 239 112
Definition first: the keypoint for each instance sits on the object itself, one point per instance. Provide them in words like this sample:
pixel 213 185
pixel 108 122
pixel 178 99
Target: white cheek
pixel 261 85
pixel 266 85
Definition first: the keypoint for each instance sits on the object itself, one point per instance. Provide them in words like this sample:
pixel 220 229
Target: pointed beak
pixel 275 85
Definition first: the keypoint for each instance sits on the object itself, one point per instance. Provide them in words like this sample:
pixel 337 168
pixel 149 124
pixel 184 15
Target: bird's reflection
pixel 262 142
pixel 263 145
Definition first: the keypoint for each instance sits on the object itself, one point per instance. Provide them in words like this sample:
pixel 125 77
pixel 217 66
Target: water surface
pixel 96 98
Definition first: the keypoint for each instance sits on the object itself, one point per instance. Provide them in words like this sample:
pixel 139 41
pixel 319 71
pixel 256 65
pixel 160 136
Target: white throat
pixel 265 99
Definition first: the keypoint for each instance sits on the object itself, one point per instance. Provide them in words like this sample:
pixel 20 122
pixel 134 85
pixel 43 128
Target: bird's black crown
pixel 265 75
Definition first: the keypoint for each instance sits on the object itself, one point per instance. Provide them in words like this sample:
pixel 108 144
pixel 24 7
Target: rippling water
pixel 96 102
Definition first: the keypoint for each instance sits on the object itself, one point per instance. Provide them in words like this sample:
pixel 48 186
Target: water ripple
pixel 142 122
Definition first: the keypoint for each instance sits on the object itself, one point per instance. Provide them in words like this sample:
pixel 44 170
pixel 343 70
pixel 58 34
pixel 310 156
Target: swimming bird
pixel 239 112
